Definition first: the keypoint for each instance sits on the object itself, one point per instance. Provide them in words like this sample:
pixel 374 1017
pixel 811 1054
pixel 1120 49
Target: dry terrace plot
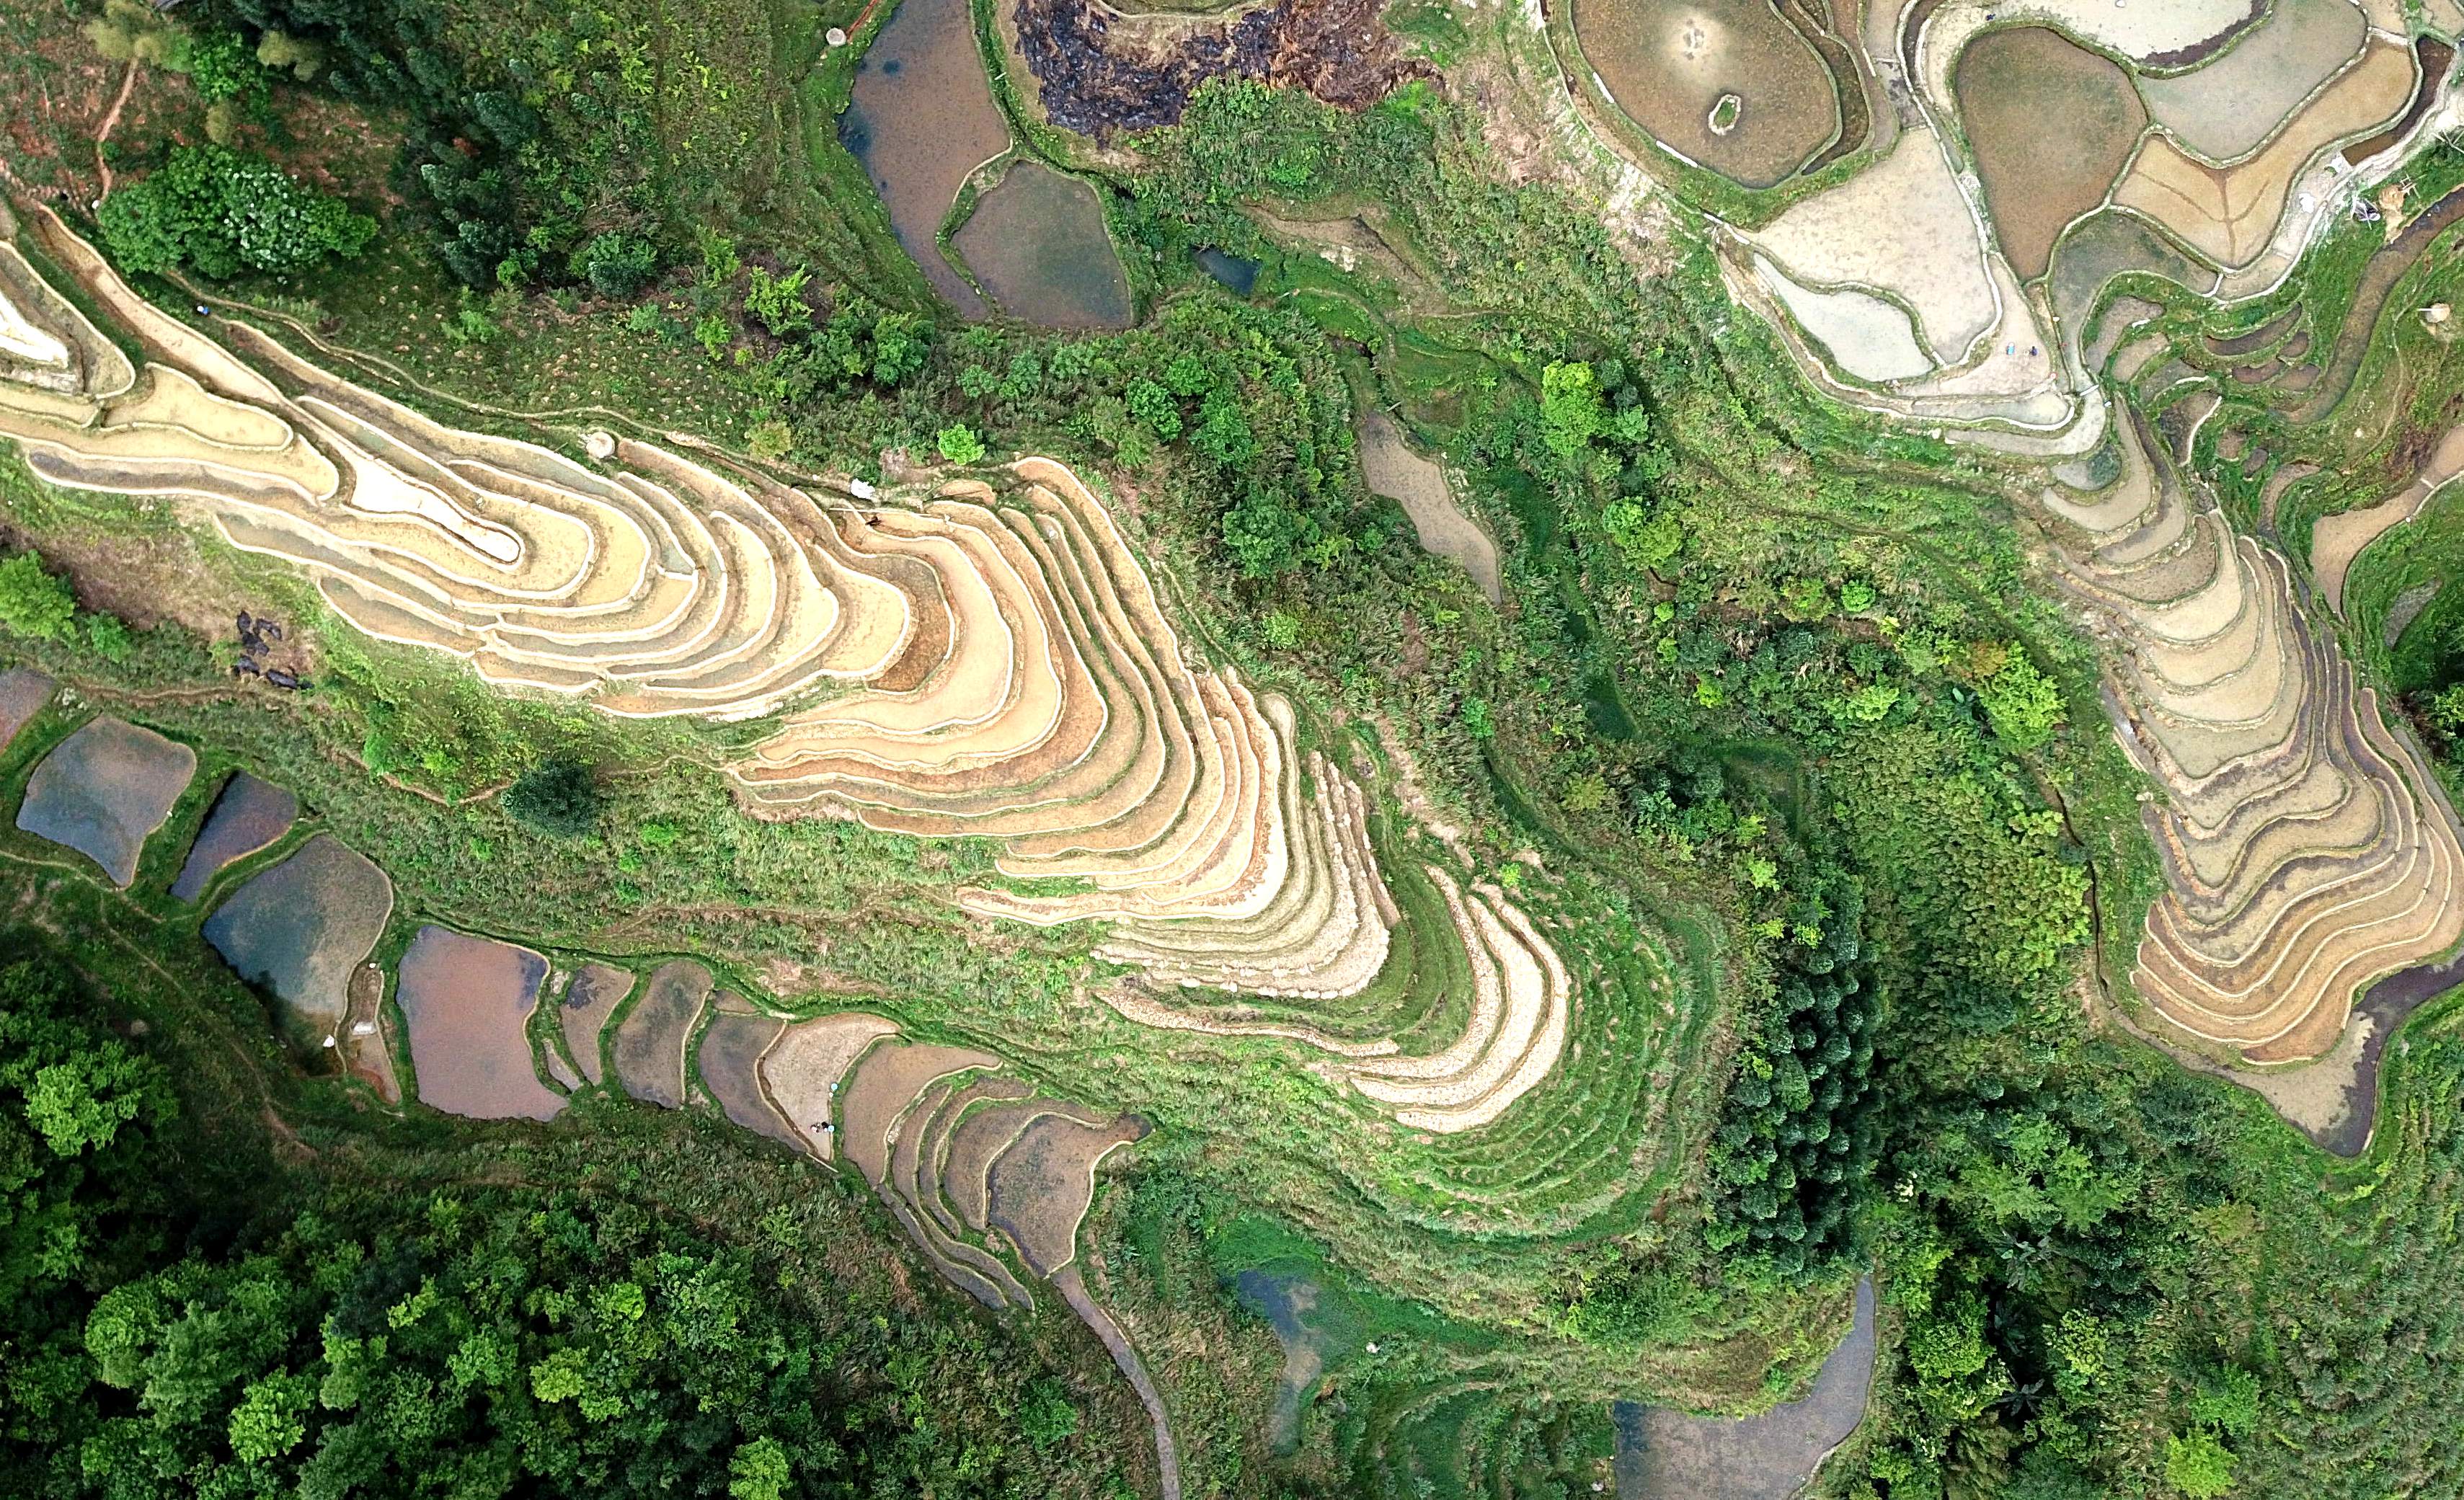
pixel 802 1069
pixel 249 815
pixel 2010 84
pixel 1725 83
pixel 468 1003
pixel 1867 337
pixel 1419 484
pixel 300 928
pixel 104 790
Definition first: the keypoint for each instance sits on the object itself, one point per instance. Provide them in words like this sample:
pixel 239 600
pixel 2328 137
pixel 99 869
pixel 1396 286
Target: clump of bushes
pixel 218 213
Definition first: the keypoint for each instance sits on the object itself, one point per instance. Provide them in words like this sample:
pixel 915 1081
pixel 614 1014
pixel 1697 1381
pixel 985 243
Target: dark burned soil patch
pixel 1095 81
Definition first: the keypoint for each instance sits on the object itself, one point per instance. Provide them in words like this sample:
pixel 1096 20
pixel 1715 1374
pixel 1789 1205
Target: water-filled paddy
pixel 2225 109
pixel 301 927
pixel 922 118
pixel 23 692
pixel 468 1003
pixel 729 1059
pixel 650 1040
pixel 596 991
pixel 1037 243
pixel 2010 83
pixel 1670 63
pixel 248 816
pixel 1769 1456
pixel 104 790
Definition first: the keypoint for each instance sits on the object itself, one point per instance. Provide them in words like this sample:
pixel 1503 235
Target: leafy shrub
pixel 219 212
pixel 33 602
pixel 959 444
pixel 617 264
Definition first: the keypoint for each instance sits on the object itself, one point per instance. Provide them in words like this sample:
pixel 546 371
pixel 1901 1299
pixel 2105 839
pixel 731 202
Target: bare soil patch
pixel 1098 72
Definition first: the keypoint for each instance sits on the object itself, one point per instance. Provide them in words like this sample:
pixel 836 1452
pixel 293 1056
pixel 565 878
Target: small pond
pixel 1310 1326
pixel 104 790
pixel 1037 244
pixel 249 815
pixel 922 118
pixel 300 928
pixel 468 1003
pixel 1237 273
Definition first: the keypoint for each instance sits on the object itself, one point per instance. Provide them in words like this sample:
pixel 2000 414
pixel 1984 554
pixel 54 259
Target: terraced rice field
pixel 728 1059
pixel 249 815
pixel 1037 244
pixel 1670 63
pixel 300 928
pixel 2306 849
pixel 597 991
pixel 2228 213
pixel 2010 85
pixel 468 1002
pixel 23 692
pixel 104 790
pixel 650 1045
pixel 2223 109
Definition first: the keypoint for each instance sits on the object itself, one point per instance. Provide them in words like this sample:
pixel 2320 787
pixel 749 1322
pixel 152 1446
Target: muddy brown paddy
pixel 468 1002
pixel 650 1040
pixel 596 991
pixel 1669 65
pixel 2037 180
pixel 1037 244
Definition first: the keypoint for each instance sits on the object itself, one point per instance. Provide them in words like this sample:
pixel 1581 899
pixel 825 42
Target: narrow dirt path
pixel 1073 1290
pixel 110 123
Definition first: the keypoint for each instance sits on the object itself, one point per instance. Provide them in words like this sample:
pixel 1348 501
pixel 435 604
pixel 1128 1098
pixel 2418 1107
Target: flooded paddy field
pixel 922 120
pixel 23 692
pixel 1037 244
pixel 104 791
pixel 650 1050
pixel 249 815
pixel 301 927
pixel 468 1003
pixel 729 1059
pixel 595 993
pixel 1768 1457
